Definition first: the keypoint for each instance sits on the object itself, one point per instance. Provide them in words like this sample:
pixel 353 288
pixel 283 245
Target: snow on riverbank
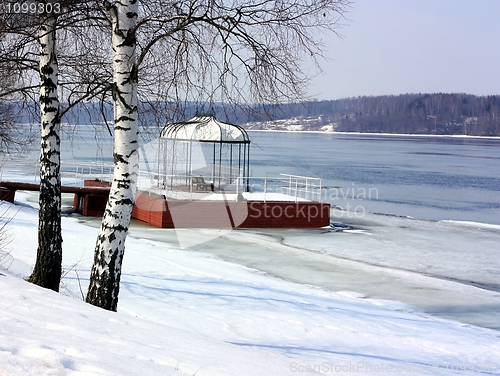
pixel 330 129
pixel 185 313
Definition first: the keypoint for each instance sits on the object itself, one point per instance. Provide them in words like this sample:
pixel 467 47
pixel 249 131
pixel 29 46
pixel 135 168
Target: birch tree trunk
pixel 110 246
pixel 47 270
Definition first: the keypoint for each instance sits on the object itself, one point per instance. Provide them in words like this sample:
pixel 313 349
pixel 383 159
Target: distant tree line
pixel 440 114
pixel 443 114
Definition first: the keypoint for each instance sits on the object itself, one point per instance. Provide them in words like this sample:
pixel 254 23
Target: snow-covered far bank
pixel 330 130
pixel 190 313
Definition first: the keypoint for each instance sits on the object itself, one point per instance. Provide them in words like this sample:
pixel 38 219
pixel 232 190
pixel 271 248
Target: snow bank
pixel 190 313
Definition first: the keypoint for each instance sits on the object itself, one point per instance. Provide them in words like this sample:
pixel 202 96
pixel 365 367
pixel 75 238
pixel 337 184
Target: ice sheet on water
pixel 442 267
pixel 460 251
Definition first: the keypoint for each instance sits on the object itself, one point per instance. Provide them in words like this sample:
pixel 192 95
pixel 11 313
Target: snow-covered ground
pixel 186 312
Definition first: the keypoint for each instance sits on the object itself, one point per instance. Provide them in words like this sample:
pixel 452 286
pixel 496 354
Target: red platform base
pixel 157 211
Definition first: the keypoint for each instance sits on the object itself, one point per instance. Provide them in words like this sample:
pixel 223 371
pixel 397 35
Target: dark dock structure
pixel 90 200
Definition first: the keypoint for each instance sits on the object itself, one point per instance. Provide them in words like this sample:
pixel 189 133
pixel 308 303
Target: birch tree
pixel 106 270
pixel 196 50
pixel 29 47
pixel 20 57
pixel 47 270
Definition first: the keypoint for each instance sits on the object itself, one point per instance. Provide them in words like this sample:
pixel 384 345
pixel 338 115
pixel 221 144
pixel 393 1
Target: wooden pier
pixel 90 200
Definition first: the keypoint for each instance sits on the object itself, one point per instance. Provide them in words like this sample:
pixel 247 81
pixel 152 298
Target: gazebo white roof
pixel 205 129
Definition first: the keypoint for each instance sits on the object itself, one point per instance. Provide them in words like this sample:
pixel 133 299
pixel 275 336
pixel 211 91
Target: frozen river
pixel 444 268
pixel 423 228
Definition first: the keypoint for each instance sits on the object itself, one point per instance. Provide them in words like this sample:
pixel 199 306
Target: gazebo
pixel 204 148
pixel 200 179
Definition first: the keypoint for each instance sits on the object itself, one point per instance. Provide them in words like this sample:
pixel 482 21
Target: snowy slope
pixel 190 313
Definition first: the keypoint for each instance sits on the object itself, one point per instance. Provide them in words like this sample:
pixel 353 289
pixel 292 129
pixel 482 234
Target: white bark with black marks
pixel 110 246
pixel 47 270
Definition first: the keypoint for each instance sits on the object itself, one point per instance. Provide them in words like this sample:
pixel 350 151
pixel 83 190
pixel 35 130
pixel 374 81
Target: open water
pixel 426 177
pixel 423 177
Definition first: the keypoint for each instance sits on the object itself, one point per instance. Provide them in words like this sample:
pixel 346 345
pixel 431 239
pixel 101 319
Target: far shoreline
pixel 321 132
pixel 376 134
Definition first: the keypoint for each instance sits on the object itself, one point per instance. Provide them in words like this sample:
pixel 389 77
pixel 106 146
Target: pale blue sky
pixel 413 46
